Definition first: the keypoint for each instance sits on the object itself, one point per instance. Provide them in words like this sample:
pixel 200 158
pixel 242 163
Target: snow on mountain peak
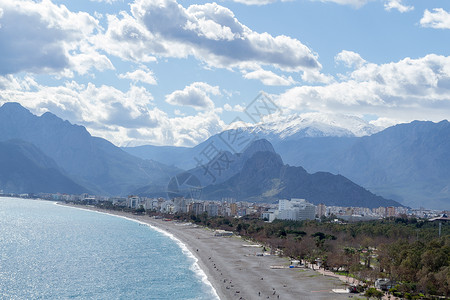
pixel 314 125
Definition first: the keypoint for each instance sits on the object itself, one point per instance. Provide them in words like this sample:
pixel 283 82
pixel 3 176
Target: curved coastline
pixel 236 269
pixel 195 267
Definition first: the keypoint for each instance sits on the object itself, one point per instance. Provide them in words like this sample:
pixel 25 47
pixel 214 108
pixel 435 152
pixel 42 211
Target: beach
pixel 237 269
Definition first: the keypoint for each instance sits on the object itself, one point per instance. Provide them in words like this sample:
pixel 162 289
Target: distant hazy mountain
pixel 181 157
pixel 407 162
pixel 25 169
pixel 94 162
pixel 259 175
pixel 220 168
pixel 283 128
pixel 265 178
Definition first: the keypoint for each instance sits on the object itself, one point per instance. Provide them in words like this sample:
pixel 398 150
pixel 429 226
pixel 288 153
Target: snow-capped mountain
pixel 288 127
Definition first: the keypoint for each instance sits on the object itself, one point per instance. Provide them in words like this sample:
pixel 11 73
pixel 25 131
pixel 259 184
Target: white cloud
pixel 144 76
pixel 87 104
pixel 384 122
pixel 124 118
pixel 439 19
pixel 350 59
pixel 43 37
pixel 316 77
pixel 269 78
pixel 178 131
pixel 398 5
pixel 237 107
pixel 210 32
pixel 196 95
pixel 405 90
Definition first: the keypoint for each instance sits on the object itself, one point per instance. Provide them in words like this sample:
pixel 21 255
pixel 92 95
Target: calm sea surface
pixel 49 251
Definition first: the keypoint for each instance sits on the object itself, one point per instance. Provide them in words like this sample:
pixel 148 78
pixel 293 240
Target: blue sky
pixel 169 72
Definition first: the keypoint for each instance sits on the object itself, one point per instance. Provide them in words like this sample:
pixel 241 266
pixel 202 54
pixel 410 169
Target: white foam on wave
pixel 195 267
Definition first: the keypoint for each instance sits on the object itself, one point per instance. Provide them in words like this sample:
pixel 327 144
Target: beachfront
pixel 237 272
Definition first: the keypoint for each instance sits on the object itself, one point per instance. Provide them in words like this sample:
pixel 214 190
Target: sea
pixel 50 251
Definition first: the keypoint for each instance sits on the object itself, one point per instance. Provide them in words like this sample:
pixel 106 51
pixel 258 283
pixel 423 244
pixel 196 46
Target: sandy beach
pixel 237 272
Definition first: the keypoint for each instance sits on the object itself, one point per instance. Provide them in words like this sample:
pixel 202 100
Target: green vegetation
pixel 406 250
pixel 373 292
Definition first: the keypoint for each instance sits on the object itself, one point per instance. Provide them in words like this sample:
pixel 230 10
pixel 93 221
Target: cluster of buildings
pixel 293 209
pixel 226 207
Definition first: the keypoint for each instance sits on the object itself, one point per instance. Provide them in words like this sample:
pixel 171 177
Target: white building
pixel 270 215
pixel 296 209
pixel 133 201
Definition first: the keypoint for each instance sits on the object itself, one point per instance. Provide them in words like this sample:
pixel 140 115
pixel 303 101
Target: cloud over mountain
pixel 124 69
pixel 118 116
pixel 405 90
pixel 195 95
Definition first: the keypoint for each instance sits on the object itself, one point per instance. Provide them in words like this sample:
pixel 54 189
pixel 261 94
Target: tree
pixel 373 292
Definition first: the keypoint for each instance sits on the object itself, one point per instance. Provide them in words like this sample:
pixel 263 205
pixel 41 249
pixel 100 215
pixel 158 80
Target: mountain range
pixel 91 162
pixel 265 178
pixel 406 162
pixel 277 129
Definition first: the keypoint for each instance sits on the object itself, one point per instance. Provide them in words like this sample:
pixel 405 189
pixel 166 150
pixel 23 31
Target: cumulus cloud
pixel 86 104
pixel 179 131
pixel 210 32
pixel 384 122
pixel 43 37
pixel 196 95
pixel 350 59
pixel 144 76
pixel 124 118
pixel 269 78
pixel 237 107
pixel 438 18
pixel 398 5
pixel 405 90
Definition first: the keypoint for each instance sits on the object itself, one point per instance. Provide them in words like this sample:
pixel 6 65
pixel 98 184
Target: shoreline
pixel 233 268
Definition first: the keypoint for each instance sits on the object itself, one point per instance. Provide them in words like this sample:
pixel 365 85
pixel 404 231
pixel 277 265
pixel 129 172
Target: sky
pixel 174 72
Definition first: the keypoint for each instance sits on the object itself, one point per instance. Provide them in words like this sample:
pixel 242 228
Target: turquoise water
pixel 49 251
